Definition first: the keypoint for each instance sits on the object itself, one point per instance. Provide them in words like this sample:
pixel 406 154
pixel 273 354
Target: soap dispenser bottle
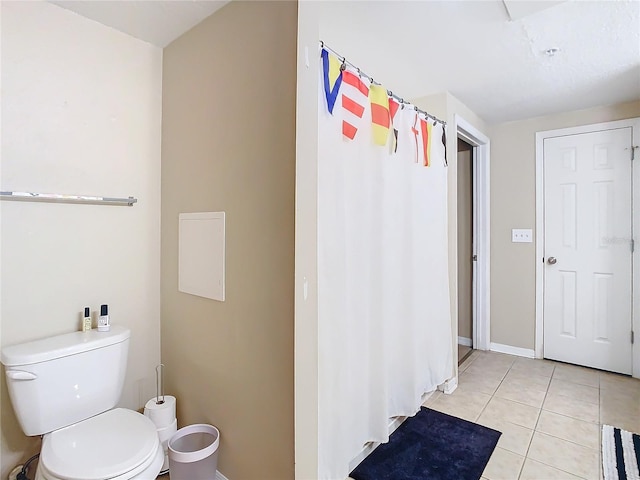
pixel 103 321
pixel 86 320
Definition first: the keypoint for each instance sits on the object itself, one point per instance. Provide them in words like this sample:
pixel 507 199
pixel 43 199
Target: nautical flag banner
pixel 425 130
pixel 393 109
pixel 380 119
pixel 355 94
pixel 332 75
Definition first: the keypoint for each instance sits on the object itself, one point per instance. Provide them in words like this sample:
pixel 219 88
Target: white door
pixel 587 249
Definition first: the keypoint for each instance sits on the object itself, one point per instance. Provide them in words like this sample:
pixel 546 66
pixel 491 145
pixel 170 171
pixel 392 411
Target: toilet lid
pixel 104 446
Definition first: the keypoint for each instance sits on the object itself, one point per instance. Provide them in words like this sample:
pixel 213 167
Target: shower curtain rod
pixel 389 92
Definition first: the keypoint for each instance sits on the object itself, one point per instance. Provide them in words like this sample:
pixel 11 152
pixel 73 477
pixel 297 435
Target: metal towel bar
pixel 61 198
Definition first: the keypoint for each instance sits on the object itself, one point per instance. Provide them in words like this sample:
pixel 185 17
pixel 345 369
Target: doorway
pixel 480 236
pixel 585 245
pixel 465 250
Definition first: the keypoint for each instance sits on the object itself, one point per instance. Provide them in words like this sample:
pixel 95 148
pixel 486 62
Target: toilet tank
pixel 58 381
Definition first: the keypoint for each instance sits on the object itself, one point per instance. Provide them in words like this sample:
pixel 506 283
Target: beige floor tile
pixel 619 383
pixel 625 415
pixel 521 394
pixel 432 398
pixel 543 368
pixel 522 378
pixel 514 412
pixel 496 358
pixel 571 407
pixel 514 438
pixel 533 470
pixel 575 390
pixel 462 404
pixel 495 371
pixel 576 374
pixel 464 365
pixel 621 397
pixel 564 455
pixel 578 431
pixel 477 382
pixel 503 465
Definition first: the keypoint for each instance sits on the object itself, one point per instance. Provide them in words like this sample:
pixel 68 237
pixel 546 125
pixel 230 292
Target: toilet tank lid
pixel 61 346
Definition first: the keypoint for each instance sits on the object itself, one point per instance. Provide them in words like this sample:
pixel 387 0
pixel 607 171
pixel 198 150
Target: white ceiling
pixel 489 54
pixel 155 21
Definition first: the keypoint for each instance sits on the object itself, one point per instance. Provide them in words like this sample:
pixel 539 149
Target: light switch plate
pixel 521 235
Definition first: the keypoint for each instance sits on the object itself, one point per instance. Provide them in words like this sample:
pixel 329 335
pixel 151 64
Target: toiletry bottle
pixel 103 321
pixel 86 320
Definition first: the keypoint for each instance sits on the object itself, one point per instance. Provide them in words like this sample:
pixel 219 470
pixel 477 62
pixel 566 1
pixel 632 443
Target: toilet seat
pixel 119 443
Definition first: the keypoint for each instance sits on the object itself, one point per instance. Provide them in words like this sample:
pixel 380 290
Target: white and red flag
pixel 354 98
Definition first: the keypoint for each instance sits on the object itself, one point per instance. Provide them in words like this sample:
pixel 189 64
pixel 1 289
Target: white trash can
pixel 193 453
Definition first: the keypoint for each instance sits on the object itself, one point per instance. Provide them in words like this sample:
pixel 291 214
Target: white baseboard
pixel 449 386
pixel 465 341
pixel 220 476
pixel 520 352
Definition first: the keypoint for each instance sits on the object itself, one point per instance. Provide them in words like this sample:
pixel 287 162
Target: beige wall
pixel 81 114
pixel 228 145
pixel 465 238
pixel 513 206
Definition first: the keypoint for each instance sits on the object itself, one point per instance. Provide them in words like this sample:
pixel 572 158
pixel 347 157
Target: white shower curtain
pixel 383 295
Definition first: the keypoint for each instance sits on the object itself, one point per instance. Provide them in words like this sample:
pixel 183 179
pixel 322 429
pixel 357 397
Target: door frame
pixel 481 301
pixel 634 123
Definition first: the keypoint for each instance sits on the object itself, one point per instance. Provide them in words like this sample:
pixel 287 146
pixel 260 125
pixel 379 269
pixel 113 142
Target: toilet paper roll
pixel 165 434
pixel 162 415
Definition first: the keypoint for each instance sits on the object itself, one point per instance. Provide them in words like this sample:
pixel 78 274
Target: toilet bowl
pixel 118 444
pixel 66 388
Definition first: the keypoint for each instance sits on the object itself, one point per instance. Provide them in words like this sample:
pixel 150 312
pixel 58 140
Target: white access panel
pixel 201 253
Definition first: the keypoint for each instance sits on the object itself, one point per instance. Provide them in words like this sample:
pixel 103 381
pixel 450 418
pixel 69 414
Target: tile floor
pixel 550 414
pixel 463 353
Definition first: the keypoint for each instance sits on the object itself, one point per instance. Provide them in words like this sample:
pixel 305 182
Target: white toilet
pixel 65 388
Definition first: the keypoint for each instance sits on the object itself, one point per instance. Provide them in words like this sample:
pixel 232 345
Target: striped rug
pixel 620 454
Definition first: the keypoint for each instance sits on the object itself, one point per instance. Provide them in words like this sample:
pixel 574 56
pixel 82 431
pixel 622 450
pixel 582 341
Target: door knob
pixel 552 260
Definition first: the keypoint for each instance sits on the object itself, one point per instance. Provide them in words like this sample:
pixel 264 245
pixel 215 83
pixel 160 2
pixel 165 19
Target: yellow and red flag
pixel 425 128
pixel 380 119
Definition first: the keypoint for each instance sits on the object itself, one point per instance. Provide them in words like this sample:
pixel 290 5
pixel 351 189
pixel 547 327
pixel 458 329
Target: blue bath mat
pixel 431 446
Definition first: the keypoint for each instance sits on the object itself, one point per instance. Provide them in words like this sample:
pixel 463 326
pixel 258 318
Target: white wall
pixel 306 248
pixel 81 114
